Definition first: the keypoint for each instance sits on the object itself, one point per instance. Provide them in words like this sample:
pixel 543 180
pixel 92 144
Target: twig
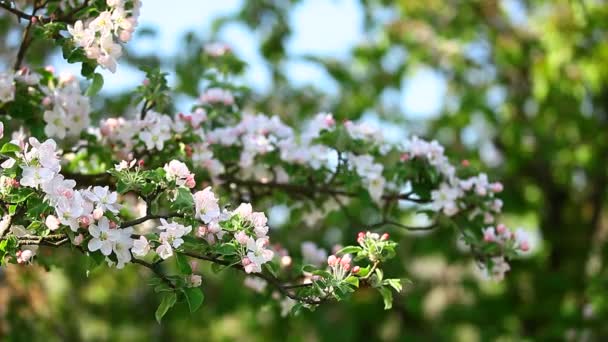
pixel 154 268
pixel 147 218
pixel 283 289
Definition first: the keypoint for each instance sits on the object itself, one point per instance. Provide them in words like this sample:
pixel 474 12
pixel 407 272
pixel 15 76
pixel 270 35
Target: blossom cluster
pixel 8 82
pixel 78 209
pixel 100 37
pixel 67 113
pixel 250 234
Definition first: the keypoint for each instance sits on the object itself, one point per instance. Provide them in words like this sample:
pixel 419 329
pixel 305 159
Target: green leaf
pixel 96 85
pixel 9 148
pixel 387 296
pixel 350 250
pixel 182 264
pixel 394 283
pixel 226 249
pixel 183 200
pixel 166 303
pixel 352 280
pixel 309 268
pixel 194 297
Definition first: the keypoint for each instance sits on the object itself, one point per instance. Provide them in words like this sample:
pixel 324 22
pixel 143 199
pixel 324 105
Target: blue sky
pixel 320 27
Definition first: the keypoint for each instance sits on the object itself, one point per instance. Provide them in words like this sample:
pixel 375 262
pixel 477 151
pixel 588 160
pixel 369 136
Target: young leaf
pixel 194 297
pixel 182 264
pixel 350 250
pixel 167 303
pixel 8 148
pixel 387 295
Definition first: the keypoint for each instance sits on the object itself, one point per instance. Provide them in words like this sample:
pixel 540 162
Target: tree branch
pixel 282 288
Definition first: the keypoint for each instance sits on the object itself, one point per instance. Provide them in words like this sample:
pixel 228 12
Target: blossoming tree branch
pixel 167 191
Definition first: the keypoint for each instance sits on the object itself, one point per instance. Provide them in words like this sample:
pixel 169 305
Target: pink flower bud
pixel 97 213
pixel 501 228
pixel 404 157
pixel 47 101
pixel 140 163
pixel 329 120
pixel 245 261
pixel 524 246
pixel 193 265
pixel 190 182
pixel 384 237
pixel 497 187
pixel 488 237
pixel 52 222
pixel 50 69
pixel 465 163
pixel 112 225
pixel 85 221
pixel 125 35
pixel 346 267
pixel 146 82
pixel 78 239
pixel 356 269
pixel 241 238
pixel 331 260
pixel 34 20
pixel 25 256
pixel 346 260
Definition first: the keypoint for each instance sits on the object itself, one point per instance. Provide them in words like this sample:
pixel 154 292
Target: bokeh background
pixel 518 88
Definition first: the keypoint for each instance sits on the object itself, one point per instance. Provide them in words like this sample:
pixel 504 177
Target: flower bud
pixel 245 261
pixel 356 269
pixel 497 187
pixel 524 246
pixel 465 163
pixel 241 238
pixel 52 222
pixel 97 214
pixel 78 239
pixel 112 225
pixel 47 101
pixel 331 260
pixel 501 228
pixel 404 157
pixel 84 221
pixel 195 280
pixel 24 256
pixel 140 163
pixel 193 265
pixel 190 182
pixel 146 82
pixel 125 35
pixel 346 260
pixel 384 237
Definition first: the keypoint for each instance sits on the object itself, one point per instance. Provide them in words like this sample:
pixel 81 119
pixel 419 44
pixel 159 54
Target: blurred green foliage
pixel 526 86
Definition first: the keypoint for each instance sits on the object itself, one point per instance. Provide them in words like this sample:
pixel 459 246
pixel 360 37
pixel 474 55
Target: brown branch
pixel 282 288
pixel 155 269
pixel 312 191
pixel 143 219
